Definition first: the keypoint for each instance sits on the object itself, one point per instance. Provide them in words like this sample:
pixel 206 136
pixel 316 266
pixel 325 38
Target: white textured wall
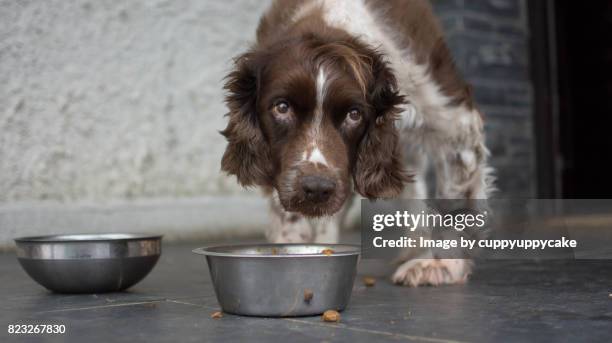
pixel 114 101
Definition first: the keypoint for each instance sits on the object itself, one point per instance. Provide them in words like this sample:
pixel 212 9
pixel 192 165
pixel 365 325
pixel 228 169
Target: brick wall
pixel 489 39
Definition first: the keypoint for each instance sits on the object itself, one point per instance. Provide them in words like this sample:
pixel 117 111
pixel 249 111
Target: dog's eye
pixel 282 108
pixel 353 115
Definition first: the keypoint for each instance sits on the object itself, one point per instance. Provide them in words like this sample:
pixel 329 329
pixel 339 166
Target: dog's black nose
pixel 317 189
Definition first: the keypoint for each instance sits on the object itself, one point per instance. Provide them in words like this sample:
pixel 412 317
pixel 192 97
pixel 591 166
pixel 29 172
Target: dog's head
pixel 307 116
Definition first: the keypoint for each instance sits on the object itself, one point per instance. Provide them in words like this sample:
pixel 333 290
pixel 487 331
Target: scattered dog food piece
pixel 331 316
pixel 216 315
pixel 369 281
pixel 327 252
pixel 308 294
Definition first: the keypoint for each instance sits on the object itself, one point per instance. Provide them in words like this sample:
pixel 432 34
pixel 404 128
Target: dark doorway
pixel 572 71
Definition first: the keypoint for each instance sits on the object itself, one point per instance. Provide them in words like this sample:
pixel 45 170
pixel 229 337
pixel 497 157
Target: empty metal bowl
pixel 281 280
pixel 88 263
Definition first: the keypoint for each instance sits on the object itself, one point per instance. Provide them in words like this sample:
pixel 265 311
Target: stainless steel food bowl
pixel 281 280
pixel 87 263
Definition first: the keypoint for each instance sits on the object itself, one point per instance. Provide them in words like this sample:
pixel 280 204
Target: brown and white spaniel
pixel 343 96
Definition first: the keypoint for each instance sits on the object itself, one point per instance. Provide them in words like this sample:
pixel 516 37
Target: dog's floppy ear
pixel 379 171
pixel 247 155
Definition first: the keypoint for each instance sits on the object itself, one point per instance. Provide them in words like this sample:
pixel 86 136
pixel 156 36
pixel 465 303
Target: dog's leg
pixel 453 137
pixel 416 165
pixel 461 169
pixel 287 227
pixel 429 271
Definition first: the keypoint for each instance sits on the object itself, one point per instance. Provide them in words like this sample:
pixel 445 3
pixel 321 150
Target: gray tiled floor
pixel 505 301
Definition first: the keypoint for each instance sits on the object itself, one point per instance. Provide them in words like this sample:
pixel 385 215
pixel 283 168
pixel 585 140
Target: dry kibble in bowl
pixel 327 252
pixel 331 316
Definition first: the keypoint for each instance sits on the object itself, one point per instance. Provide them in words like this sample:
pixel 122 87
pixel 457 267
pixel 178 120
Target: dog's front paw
pixel 432 272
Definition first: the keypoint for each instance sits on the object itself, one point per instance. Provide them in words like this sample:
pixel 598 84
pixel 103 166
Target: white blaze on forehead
pixel 321 90
pixel 321 80
pixel 312 153
pixel 317 157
